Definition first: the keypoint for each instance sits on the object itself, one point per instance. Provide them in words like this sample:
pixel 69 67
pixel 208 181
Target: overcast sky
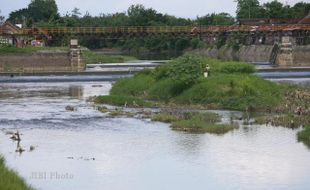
pixel 180 8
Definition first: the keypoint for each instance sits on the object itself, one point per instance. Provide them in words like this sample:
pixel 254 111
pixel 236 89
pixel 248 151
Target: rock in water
pixel 71 108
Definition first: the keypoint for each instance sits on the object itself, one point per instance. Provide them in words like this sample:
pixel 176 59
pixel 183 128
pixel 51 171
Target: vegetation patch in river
pixel 304 136
pixel 195 122
pixel 284 120
pixel 9 179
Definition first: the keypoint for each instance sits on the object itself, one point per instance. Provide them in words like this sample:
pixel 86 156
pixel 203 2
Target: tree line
pixel 45 13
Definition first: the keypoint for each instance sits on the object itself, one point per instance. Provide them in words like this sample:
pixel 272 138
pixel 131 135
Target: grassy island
pixel 230 85
pixel 9 180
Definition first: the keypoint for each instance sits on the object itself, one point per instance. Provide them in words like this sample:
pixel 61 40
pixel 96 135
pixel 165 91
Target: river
pixel 87 149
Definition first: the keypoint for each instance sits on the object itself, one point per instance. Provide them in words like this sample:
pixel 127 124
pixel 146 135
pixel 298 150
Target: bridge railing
pixel 158 29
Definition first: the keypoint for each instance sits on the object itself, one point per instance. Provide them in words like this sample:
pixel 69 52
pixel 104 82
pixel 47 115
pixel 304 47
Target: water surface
pixel 89 150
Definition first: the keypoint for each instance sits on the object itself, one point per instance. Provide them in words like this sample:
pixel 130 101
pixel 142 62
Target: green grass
pixel 233 91
pixel 166 117
pixel 195 126
pixel 30 49
pixel 9 180
pixel 135 86
pixel 92 57
pixel 122 101
pixel 194 122
pixel 304 136
pixel 228 67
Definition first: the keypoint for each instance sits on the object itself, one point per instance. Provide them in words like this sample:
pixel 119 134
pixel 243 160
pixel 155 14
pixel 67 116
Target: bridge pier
pixel 285 54
pixel 77 63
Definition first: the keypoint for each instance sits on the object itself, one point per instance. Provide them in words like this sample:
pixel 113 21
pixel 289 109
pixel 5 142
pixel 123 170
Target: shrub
pixel 186 69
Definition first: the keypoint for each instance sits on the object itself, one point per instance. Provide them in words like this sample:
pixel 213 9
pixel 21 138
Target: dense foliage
pixel 272 9
pixel 44 13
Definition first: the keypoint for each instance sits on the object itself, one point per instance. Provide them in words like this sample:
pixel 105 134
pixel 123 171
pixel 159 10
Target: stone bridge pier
pixel 285 53
pixel 77 63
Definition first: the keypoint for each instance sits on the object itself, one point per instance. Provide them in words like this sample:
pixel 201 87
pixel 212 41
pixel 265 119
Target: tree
pixel 300 10
pixel 216 19
pixel 19 16
pixel 42 10
pixel 276 9
pixel 76 12
pixel 249 9
pixel 2 18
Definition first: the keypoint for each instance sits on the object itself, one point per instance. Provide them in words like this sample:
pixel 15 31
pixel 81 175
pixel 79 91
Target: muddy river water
pixel 86 149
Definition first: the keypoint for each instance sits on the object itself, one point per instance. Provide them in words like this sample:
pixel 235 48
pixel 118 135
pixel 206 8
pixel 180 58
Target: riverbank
pixel 31 49
pixel 10 180
pixel 93 57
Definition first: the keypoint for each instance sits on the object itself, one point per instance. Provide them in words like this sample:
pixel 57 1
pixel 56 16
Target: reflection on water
pixel 87 150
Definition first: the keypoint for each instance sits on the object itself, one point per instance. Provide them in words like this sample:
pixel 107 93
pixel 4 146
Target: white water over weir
pixel 114 71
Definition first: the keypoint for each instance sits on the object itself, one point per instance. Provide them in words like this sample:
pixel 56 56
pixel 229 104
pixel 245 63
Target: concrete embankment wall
pixel 245 53
pixel 301 55
pixel 40 62
pixel 37 62
pixel 257 53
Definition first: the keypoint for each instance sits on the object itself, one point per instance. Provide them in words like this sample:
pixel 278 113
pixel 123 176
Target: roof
pixel 305 20
pixel 9 28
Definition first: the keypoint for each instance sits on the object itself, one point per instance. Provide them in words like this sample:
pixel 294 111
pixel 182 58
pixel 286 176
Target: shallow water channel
pixel 86 149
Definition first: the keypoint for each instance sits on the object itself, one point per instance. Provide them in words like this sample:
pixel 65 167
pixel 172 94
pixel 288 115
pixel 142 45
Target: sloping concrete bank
pixel 258 54
pixel 39 62
pixel 301 55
